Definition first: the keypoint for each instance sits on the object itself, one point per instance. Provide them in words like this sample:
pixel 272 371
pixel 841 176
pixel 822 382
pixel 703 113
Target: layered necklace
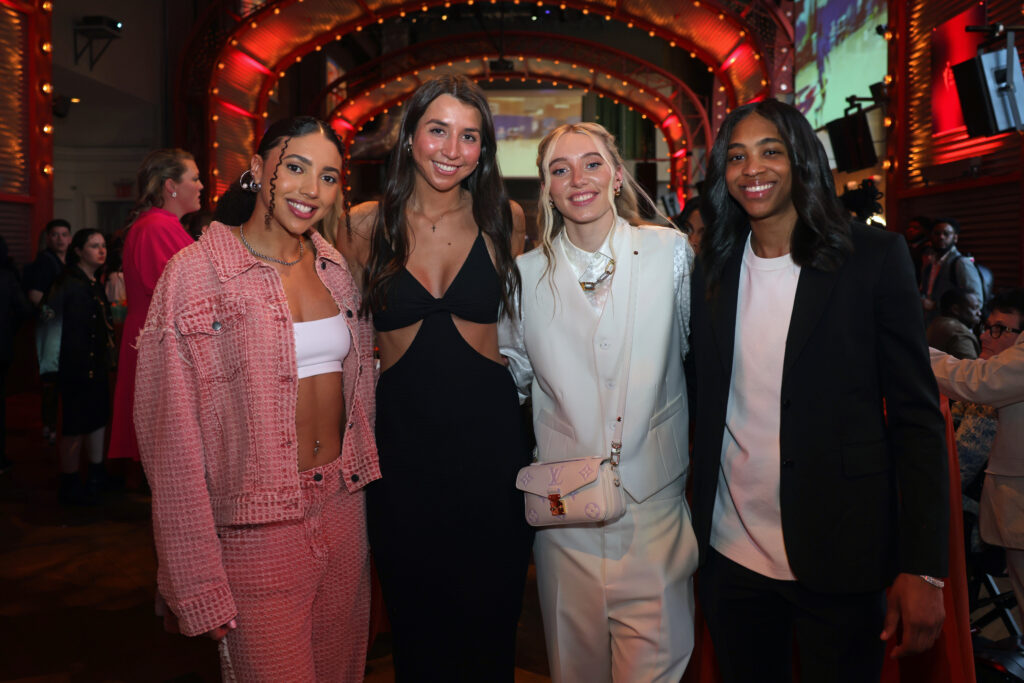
pixel 263 256
pixel 591 285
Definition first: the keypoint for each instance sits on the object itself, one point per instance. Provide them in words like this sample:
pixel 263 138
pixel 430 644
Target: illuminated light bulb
pixel 721 88
pixel 280 74
pixel 216 144
pixel 672 43
pixel 625 83
pixel 277 10
pixel 46 88
pixel 696 3
pixel 629 25
pixel 607 17
pixel 650 33
pixel 359 28
pixel 641 91
pixel 569 86
pixel 47 6
pixel 721 17
pixel 47 129
pixel 783 87
pixel 643 116
pixel 586 11
pixel 444 17
pixel 470 2
pixel 265 114
pixel 46 47
pixel 402 14
pixel 253 25
pixel 337 37
pixel 270 93
pixel 215 91
pixel 234 41
pixel 523 79
pixel 710 70
pixel 216 172
pixel 757 56
pixel 449 63
pixel 381 20
pixel 220 65
pixel 433 67
pixel 215 117
pixel 693 55
pixel 298 60
pixel 742 33
pixel 887 164
pixel 888 79
pixel 764 82
pixel 591 70
pixel 887 121
pixel 785 68
pixel 47 169
pixel 318 48
pixel 556 61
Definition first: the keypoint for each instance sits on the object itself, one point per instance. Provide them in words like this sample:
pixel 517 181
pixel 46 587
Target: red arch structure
pixel 261 46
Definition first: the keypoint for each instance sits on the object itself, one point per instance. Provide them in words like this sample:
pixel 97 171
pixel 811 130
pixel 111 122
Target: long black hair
pixel 238 203
pixel 821 238
pixel 389 241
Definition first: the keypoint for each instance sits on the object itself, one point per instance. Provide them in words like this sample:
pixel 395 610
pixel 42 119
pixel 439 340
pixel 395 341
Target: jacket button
pixel 216 325
pixel 355 477
pixel 318 477
pixel 348 314
pixel 323 265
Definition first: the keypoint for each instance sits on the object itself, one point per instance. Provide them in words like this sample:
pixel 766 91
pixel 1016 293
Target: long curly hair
pixel 821 238
pixel 389 240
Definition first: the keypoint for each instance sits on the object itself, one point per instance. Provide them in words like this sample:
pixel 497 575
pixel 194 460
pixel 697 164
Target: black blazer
pixel 864 486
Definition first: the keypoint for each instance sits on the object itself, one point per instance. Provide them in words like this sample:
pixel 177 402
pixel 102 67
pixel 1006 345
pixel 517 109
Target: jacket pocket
pixel 214 330
pixel 863 459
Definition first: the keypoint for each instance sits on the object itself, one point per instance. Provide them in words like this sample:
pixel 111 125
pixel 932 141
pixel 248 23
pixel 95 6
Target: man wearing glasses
pixel 997 379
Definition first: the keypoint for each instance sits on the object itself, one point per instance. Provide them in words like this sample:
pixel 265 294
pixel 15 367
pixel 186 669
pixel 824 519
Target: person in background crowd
pixel 14 308
pixel 953 331
pixel 997 380
pixel 946 268
pixel 917 234
pixel 79 303
pixel 439 267
pixel 616 596
pixel 692 223
pixel 39 276
pixel 809 499
pixel 169 187
pixel 196 223
pixel 254 409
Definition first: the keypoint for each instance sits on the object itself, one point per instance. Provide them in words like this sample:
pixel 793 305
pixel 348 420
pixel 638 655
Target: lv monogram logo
pixel 556 476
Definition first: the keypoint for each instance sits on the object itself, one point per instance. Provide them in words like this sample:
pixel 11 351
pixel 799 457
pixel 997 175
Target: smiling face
pixel 758 172
pixel 579 181
pixel 308 173
pixel 445 146
pixel 93 253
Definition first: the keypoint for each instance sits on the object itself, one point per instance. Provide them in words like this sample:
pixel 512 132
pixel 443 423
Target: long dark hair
pixel 389 242
pixel 78 241
pixel 237 204
pixel 821 238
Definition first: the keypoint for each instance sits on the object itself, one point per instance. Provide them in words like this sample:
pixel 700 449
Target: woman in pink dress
pixel 169 188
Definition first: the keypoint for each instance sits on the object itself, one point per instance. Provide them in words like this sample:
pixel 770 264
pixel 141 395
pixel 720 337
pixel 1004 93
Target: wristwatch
pixel 938 583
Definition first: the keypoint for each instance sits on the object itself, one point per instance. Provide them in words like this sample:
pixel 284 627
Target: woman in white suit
pixel 616 596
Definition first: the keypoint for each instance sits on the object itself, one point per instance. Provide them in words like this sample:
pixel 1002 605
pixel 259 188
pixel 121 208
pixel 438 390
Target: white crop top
pixel 321 345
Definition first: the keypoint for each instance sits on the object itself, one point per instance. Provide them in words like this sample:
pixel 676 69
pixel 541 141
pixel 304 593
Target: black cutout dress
pixel 445 520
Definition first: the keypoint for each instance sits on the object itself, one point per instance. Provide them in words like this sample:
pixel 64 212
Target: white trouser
pixel 617 599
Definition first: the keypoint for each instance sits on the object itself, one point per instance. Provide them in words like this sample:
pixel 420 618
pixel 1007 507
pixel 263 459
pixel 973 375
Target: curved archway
pixel 265 44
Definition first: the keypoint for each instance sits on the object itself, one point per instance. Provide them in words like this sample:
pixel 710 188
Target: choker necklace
pixel 271 258
pixel 608 270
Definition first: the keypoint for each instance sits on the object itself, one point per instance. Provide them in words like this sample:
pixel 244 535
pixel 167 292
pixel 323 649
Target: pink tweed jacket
pixel 215 399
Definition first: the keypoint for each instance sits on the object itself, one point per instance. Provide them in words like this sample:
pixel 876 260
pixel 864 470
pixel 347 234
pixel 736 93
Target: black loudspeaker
pixel 851 142
pixel 984 98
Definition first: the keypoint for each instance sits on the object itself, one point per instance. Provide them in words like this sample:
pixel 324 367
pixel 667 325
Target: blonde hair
pixel 626 205
pixel 158 167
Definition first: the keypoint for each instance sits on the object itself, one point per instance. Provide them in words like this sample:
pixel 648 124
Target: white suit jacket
pixel 570 358
pixel 998 382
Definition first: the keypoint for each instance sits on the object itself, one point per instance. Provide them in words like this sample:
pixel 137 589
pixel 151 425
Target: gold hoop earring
pixel 618 190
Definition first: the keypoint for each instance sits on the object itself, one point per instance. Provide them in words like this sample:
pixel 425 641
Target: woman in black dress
pixel 79 301
pixel 446 521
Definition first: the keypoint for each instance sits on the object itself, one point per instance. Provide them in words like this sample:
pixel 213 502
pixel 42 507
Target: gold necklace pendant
pixel 587 286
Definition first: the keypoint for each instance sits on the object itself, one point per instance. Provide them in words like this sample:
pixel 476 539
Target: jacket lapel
pixel 812 294
pixel 723 307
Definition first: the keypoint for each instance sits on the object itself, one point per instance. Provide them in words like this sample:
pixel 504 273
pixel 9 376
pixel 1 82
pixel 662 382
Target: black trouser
pixel 754 622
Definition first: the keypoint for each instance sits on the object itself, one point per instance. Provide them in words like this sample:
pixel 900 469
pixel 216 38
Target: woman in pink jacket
pixel 169 188
pixel 254 410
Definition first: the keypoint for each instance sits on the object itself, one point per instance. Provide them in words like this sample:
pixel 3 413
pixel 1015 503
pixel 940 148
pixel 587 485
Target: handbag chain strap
pixel 634 275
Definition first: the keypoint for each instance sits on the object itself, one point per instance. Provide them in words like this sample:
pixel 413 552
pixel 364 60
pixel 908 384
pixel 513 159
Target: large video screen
pixel 522 118
pixel 839 53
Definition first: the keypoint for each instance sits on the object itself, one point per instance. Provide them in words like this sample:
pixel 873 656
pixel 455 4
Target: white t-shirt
pixel 747 522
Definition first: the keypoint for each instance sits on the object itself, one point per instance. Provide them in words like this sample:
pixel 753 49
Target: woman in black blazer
pixel 819 457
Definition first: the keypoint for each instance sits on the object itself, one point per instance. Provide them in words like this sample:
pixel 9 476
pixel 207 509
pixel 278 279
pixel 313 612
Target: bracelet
pixel 938 583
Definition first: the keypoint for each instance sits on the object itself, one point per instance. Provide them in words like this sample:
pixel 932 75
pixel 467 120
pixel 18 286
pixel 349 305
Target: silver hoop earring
pixel 248 183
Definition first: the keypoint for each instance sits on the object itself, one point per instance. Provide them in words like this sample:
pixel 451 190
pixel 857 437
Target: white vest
pixel 578 361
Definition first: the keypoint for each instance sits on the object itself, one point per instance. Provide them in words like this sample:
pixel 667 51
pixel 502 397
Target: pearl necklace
pixel 259 255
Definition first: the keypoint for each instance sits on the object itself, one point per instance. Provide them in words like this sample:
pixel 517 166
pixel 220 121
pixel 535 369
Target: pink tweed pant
pixel 302 589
